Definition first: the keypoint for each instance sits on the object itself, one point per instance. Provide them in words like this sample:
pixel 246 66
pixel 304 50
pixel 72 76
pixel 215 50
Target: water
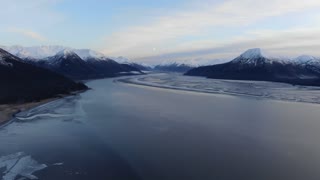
pixel 124 131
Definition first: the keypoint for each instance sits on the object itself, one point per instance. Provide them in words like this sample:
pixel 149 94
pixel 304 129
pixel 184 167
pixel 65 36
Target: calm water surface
pixel 122 131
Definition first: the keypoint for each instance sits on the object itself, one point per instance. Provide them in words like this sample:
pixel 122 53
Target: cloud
pixel 165 32
pixel 30 19
pixel 28 33
pixel 39 13
pixel 293 42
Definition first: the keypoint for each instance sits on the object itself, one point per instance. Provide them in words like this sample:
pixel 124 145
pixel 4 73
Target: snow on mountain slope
pixel 191 63
pixel 86 54
pixel 194 62
pixel 253 53
pixel 258 56
pixel 42 52
pixel 62 56
pixel 36 52
pixel 305 59
pixel 4 56
pixel 308 62
pixel 252 56
pixel 138 65
pixel 121 59
pixel 65 53
pixel 253 64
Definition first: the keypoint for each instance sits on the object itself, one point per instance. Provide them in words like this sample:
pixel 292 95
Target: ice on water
pixel 271 90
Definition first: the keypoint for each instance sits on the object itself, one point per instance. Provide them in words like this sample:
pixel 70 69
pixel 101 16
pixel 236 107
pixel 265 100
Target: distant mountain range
pixel 255 64
pixel 77 64
pixel 23 82
pixel 98 65
pixel 173 67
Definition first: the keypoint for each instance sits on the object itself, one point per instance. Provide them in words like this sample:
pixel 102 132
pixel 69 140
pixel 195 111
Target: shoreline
pixel 8 111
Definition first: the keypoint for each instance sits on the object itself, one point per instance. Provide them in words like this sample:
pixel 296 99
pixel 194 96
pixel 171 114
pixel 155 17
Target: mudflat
pixel 8 110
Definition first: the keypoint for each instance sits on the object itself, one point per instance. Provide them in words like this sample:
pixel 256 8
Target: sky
pixel 165 30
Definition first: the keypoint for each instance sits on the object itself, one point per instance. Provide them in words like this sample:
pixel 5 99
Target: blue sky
pixel 160 30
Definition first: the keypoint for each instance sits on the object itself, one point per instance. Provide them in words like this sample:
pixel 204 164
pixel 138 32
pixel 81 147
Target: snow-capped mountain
pixel 68 63
pixel 305 59
pixel 308 62
pixel 42 52
pixel 140 66
pixel 72 63
pixel 173 67
pixel 34 52
pixel 88 54
pixel 254 64
pixel 185 65
pixel 25 82
pixel 258 57
pixel 64 55
pixel 121 59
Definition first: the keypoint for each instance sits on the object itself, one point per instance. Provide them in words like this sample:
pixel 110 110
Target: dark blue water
pixel 122 131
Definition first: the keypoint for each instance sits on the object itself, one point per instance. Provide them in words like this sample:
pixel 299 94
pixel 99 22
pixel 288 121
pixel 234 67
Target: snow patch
pixel 36 52
pixel 252 53
pixel 88 53
pixel 305 59
pixel 121 59
pixel 65 53
pixel 43 52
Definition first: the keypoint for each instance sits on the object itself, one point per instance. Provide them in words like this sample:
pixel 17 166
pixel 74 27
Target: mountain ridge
pixel 25 82
pixel 253 65
pixel 77 64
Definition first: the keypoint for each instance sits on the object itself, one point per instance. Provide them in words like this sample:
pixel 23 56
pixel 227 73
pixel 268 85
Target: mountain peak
pixel 255 57
pixel 252 53
pixel 65 53
pixel 304 58
pixel 88 53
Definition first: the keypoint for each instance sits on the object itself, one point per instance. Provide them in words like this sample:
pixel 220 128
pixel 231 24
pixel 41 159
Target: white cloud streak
pixel 164 33
pixel 289 43
pixel 31 19
pixel 28 33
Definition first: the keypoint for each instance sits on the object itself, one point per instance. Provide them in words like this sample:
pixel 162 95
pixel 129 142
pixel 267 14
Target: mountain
pixel 86 54
pixel 140 66
pixel 69 64
pixel 77 64
pixel 110 68
pixel 173 67
pixel 91 66
pixel 33 52
pixel 22 82
pixel 308 62
pixel 255 64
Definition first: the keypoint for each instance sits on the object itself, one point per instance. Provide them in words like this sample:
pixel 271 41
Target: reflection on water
pixel 120 131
